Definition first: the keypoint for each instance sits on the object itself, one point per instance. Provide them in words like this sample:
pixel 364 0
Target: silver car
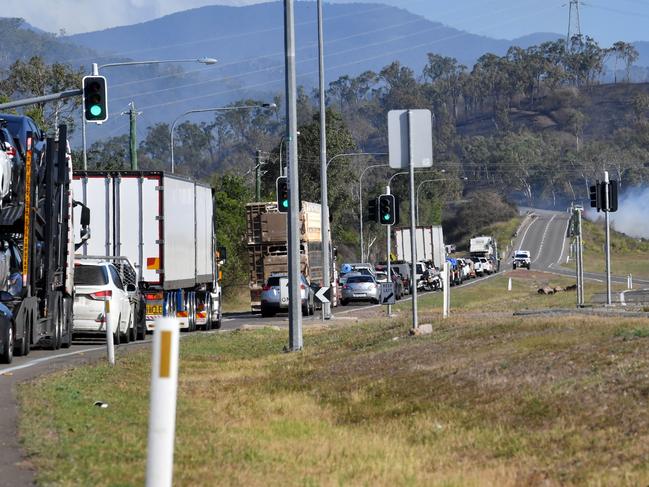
pixel 271 296
pixel 360 288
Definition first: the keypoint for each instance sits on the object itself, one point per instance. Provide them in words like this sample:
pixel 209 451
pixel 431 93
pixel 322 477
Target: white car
pixel 96 284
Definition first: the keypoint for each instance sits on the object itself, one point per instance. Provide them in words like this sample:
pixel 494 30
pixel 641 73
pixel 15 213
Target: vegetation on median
pixel 493 400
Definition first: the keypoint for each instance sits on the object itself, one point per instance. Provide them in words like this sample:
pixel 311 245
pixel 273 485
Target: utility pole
pixel 579 261
pixel 258 175
pixel 132 113
pixel 324 198
pixel 294 310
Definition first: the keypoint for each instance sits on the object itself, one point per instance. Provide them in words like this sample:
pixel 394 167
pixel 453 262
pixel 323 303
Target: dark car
pixel 19 126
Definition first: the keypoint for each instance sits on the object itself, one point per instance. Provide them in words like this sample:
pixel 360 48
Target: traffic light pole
pixel 413 243
pixel 389 246
pixel 295 313
pixel 257 175
pixel 608 238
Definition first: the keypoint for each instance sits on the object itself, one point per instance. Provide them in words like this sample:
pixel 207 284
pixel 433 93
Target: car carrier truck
pixel 36 243
pixel 164 225
pixel 267 248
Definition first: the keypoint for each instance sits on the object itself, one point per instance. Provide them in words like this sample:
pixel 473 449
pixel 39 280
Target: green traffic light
pixel 95 110
pixel 285 203
pixel 386 217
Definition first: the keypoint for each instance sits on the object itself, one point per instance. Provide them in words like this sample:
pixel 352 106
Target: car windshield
pixel 357 279
pixel 381 276
pixel 521 256
pixel 90 275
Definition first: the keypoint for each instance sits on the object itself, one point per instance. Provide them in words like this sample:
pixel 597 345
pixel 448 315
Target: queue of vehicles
pixel 152 250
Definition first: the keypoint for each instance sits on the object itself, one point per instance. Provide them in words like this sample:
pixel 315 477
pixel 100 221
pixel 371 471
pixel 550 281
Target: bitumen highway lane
pixel 544 234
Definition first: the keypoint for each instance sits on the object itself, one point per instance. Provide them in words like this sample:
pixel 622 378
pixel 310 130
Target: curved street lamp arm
pixel 203 60
pixel 352 154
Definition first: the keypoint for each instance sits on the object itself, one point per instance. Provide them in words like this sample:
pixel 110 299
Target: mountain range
pixel 249 44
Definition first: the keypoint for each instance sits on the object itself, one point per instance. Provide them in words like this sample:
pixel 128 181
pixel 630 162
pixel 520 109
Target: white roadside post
pixel 110 345
pixel 162 409
pixel 509 284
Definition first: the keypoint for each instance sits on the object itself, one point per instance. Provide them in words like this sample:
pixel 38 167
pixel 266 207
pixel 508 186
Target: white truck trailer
pixel 164 224
pixel 429 242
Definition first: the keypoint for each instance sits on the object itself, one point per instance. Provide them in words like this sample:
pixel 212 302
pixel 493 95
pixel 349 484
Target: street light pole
pixel 294 315
pixel 203 110
pixel 326 307
pixel 95 72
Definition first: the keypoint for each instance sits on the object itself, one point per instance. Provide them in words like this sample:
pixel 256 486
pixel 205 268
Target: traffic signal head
pixel 372 207
pixel 612 195
pixel 596 196
pixel 282 194
pixel 95 101
pixel 387 209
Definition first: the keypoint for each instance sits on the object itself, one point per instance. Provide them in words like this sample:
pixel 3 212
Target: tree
pixel 230 196
pixel 36 78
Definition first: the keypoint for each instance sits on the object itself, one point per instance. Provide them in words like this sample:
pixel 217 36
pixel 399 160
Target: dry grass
pixel 483 401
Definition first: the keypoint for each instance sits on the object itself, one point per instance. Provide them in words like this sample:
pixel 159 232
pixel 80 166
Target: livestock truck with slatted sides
pixel 37 241
pixel 268 251
pixel 164 225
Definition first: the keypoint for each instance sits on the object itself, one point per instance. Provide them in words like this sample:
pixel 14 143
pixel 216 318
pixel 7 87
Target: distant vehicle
pixel 96 283
pixel 271 296
pixel 366 268
pixel 360 288
pixel 19 127
pixel 522 259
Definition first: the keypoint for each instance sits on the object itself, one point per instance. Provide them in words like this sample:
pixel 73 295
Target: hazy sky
pixel 606 20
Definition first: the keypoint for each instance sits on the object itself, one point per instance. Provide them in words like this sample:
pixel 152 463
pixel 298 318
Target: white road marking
pixel 563 244
pixel 49 358
pixel 545 232
pixel 520 246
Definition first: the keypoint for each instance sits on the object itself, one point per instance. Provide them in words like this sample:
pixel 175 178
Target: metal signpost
pixel 410 141
pixel 606 209
pixel 579 260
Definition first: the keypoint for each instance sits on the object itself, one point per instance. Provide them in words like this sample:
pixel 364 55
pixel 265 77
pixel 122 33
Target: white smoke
pixel 632 215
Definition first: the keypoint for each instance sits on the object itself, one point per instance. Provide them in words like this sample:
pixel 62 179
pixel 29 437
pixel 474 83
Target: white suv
pixel 522 258
pixel 95 284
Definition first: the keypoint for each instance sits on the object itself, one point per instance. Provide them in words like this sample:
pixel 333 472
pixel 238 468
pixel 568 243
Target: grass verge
pixel 489 401
pixel 628 255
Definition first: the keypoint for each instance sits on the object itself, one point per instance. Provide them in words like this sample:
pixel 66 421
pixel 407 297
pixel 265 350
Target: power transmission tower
pixel 574 22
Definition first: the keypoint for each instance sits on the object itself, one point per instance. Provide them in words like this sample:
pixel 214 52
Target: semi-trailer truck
pixel 164 225
pixel 36 243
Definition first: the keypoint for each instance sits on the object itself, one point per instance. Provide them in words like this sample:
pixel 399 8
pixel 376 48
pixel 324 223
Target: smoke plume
pixel 632 215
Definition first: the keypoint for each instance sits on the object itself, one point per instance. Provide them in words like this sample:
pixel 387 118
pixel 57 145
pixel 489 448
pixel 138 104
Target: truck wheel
pixel 7 335
pixel 67 323
pixel 344 302
pixel 141 322
pixel 219 321
pixel 126 336
pixel 133 328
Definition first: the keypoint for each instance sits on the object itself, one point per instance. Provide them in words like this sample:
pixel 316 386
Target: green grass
pixel 628 255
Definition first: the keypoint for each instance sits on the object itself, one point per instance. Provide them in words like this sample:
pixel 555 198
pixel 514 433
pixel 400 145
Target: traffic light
pixel 387 209
pixel 95 100
pixel 596 196
pixel 282 194
pixel 372 207
pixel 612 195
